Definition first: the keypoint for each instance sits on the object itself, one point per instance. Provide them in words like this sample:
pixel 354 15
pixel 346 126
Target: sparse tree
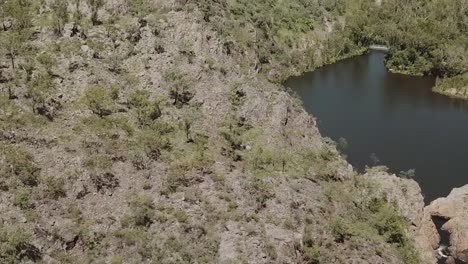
pixel 13 85
pixel 3 15
pixel 147 110
pixel 11 45
pixel 95 5
pixel 77 15
pixel 60 12
pixel 39 90
pixel 20 11
pixel 99 100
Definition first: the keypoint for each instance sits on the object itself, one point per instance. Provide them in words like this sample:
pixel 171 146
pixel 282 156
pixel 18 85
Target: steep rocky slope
pixel 137 133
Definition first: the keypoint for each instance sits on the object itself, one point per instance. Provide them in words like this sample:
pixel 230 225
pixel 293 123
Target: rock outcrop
pixel 406 195
pixel 453 209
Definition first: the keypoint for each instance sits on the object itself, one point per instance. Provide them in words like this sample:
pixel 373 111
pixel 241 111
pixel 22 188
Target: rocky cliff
pixel 135 132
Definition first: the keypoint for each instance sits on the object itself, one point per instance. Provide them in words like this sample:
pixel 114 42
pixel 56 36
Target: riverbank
pixel 456 87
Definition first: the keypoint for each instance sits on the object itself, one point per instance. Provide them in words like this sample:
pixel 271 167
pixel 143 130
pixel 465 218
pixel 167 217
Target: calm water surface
pixel 390 119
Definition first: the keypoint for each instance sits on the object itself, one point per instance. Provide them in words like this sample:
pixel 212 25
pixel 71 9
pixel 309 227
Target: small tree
pixel 142 210
pixel 95 5
pixel 3 15
pixel 54 187
pixel 39 90
pixel 147 110
pixel 20 163
pixel 46 60
pixel 14 84
pixel 140 8
pixel 179 86
pixel 77 14
pixel 20 11
pixel 60 12
pixel 11 43
pixel 99 100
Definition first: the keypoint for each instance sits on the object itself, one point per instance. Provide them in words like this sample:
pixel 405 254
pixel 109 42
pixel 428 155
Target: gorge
pixel 379 118
pixel 382 118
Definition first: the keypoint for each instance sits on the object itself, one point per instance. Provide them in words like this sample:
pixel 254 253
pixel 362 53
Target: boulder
pixel 454 209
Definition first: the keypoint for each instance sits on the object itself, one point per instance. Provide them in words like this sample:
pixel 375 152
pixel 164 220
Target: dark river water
pixel 389 119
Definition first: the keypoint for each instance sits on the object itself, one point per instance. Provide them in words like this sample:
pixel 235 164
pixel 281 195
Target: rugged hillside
pixel 139 132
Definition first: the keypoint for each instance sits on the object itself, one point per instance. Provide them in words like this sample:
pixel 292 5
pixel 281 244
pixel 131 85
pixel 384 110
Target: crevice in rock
pixel 444 242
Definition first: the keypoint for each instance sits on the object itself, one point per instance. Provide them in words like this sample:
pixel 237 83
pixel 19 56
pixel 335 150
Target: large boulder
pixel 453 209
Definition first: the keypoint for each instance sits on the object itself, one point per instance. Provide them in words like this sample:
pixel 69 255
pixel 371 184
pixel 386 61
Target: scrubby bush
pixel 153 141
pixel 181 216
pixel 142 210
pixel 179 87
pixel 178 172
pixel 100 100
pixel 16 247
pixel 23 199
pixel 232 131
pixel 140 8
pixel 147 110
pixel 262 190
pixel 40 89
pixel 54 187
pixel 19 163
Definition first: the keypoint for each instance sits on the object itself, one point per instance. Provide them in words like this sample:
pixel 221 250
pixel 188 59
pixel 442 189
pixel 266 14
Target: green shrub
pixel 147 111
pixel 271 250
pixel 54 187
pixel 106 127
pixel 131 237
pixel 262 190
pixel 341 230
pixel 152 142
pixel 20 164
pixel 140 8
pixel 46 60
pixel 15 246
pixel 40 89
pixel 181 216
pixel 142 210
pixel 179 87
pixel 99 100
pixel 23 199
pixel 178 172
pixel 98 162
pixel 232 131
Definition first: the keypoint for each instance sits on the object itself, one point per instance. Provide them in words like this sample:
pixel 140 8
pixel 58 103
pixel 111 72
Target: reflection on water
pixel 390 119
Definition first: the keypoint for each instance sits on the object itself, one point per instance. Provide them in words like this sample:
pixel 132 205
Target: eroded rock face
pixel 407 196
pixel 454 209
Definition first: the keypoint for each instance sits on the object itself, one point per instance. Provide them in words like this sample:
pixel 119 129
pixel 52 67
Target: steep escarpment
pixel 137 132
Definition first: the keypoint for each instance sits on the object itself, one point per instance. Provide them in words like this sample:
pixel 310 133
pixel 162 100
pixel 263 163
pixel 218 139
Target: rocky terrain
pixel 135 132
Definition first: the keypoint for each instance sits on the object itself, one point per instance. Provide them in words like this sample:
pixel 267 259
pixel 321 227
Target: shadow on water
pixel 389 119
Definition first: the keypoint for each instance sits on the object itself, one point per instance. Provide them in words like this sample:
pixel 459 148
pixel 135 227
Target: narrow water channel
pixel 389 119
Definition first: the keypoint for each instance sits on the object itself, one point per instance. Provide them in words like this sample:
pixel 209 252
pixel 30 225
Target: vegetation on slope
pixel 140 132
